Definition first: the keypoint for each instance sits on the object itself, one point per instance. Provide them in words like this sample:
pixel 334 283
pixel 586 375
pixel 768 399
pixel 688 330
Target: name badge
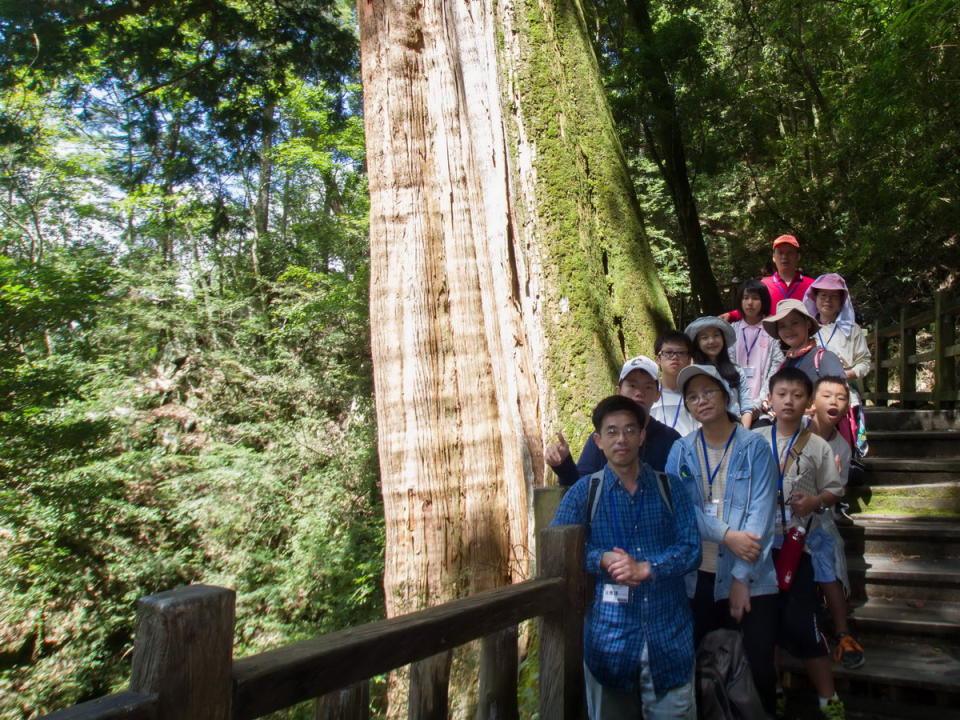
pixel 747 371
pixel 787 512
pixel 712 509
pixel 616 593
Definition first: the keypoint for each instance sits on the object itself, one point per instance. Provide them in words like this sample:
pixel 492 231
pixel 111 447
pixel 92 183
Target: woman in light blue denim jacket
pixel 731 476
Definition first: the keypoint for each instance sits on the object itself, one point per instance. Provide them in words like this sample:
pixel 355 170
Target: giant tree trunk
pixel 509 274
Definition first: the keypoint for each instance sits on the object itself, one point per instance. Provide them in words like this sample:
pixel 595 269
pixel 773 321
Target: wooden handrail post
pixel 183 652
pixel 429 687
pixel 499 666
pixel 560 554
pixel 908 370
pixel 882 379
pixel 350 703
pixel 944 365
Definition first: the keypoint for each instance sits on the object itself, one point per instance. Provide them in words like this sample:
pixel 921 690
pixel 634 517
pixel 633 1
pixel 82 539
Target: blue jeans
pixel 604 703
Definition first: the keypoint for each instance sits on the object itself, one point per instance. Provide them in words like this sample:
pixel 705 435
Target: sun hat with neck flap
pixel 832 282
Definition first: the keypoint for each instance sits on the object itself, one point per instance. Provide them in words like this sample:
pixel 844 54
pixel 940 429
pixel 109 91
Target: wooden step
pixel 910 677
pixel 897 419
pixel 904 578
pixel 913 443
pixel 938 499
pixel 930 537
pixel 907 470
pixel 879 618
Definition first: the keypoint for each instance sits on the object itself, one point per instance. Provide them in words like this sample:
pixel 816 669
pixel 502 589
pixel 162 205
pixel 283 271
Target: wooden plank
pixel 882 373
pixel 920 320
pixel 922 357
pixel 291 674
pixel 945 365
pixel 126 705
pixel 560 552
pixel 908 347
pixel 183 652
pixel 499 667
pixel 429 686
pixel 891 331
pixel 351 703
pixel 919 396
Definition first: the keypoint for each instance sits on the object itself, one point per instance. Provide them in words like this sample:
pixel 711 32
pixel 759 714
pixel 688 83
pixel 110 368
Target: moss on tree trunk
pixel 509 275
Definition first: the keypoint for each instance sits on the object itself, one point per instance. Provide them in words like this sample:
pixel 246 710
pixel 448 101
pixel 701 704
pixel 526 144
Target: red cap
pixel 786 240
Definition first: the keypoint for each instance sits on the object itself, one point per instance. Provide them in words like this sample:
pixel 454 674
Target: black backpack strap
pixel 663 484
pixel 593 496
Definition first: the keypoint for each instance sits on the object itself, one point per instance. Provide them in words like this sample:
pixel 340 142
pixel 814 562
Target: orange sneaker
pixel 848 651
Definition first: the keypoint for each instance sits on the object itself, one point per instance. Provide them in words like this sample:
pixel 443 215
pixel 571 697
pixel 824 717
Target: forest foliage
pixel 834 121
pixel 185 390
pixel 185 382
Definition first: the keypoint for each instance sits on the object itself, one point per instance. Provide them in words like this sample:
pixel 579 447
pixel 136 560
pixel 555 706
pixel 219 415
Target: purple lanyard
pixel 787 294
pixel 743 333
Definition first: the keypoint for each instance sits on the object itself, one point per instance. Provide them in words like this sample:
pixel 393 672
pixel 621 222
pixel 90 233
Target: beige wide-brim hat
pixel 784 308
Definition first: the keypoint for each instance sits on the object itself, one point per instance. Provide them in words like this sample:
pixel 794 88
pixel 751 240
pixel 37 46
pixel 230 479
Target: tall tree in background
pixel 661 121
pixel 510 274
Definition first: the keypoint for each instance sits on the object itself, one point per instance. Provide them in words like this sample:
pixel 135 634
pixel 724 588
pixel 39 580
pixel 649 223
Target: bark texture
pixel 509 273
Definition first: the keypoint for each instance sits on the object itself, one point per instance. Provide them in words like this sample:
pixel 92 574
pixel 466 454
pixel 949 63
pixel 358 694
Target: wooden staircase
pixel 903 552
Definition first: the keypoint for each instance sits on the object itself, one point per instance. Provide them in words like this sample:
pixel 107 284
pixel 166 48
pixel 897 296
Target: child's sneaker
pixel 781 703
pixel 834 710
pixel 848 651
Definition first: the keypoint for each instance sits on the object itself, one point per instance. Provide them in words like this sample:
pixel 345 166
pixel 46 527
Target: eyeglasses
pixel 628 431
pixel 672 354
pixel 694 398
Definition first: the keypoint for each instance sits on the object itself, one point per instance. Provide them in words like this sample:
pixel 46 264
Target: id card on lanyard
pixel 711 507
pixel 616 593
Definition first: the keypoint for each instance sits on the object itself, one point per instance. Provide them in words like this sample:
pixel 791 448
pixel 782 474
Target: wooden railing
pixel 183 667
pixel 894 348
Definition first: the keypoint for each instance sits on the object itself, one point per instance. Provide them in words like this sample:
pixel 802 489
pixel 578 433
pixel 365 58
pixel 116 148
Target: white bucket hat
pixel 706 321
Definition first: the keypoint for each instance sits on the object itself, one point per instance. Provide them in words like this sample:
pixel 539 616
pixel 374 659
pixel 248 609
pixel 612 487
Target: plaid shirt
pixel 658 612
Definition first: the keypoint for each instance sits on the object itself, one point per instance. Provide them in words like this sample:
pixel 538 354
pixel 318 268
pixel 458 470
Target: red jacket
pixel 779 290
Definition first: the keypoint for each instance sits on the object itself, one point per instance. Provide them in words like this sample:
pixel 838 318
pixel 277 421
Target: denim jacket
pixel 748 504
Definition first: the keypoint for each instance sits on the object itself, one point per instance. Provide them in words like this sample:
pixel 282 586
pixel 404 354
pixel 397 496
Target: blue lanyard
pixel 820 338
pixel 706 459
pixel 743 334
pixel 781 466
pixel 663 409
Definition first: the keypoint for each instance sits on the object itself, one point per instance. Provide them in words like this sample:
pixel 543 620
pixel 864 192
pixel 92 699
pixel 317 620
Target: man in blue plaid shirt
pixel 641 540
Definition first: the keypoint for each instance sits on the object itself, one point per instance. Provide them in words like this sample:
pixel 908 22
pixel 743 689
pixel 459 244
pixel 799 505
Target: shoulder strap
pixel 795 451
pixel 797 448
pixel 593 497
pixel 817 359
pixel 663 484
